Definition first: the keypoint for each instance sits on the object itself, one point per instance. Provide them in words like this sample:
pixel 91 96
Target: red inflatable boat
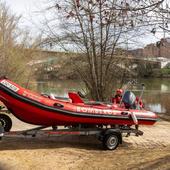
pixel 36 109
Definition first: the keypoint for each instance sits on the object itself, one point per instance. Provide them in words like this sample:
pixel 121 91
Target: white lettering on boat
pixel 97 111
pixel 32 96
pixel 9 85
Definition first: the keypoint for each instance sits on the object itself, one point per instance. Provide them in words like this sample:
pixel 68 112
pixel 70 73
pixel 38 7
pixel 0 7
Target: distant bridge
pixel 53 57
pixel 162 61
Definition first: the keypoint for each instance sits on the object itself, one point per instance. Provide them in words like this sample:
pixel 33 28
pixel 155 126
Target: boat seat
pixel 75 97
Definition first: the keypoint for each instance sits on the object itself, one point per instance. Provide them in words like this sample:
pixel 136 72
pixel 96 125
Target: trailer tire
pixel 5 122
pixel 111 141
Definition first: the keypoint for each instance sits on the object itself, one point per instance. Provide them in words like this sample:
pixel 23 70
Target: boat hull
pixel 35 109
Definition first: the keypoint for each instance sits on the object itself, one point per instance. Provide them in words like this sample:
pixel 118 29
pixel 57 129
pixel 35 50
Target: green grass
pixel 165 71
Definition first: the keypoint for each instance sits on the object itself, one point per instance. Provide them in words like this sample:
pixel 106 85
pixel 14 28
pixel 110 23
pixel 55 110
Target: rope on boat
pixel 135 120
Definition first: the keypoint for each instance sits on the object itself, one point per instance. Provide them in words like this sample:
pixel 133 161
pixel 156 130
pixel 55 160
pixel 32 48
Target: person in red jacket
pixel 139 102
pixel 118 97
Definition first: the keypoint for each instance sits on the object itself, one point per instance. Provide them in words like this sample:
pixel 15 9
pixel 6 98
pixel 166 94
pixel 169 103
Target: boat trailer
pixel 110 137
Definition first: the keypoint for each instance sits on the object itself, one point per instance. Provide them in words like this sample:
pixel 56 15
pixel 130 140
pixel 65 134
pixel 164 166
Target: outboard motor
pixel 129 99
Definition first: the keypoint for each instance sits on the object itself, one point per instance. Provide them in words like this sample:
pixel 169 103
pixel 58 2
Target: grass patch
pixel 165 71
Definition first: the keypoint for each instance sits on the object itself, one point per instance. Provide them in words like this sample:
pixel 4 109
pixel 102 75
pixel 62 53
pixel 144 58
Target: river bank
pixel 151 151
pixel 71 157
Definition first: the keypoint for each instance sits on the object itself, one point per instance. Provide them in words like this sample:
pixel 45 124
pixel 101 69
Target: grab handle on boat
pixel 58 105
pixel 135 120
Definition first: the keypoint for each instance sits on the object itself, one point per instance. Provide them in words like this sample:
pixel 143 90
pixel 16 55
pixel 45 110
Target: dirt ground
pixel 151 151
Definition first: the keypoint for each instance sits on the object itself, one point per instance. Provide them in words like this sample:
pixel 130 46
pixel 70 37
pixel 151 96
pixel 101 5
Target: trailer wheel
pixel 5 122
pixel 111 141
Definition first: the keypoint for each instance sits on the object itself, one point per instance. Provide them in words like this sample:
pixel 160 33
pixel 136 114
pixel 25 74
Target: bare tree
pixel 97 30
pixel 16 47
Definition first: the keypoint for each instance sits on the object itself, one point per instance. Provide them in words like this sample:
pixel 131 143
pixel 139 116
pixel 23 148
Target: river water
pixel 156 96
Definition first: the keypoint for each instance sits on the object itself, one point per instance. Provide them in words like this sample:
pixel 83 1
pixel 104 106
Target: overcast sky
pixel 29 9
pixel 24 7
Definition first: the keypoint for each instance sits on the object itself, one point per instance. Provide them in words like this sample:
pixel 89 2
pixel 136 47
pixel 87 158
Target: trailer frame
pixel 110 137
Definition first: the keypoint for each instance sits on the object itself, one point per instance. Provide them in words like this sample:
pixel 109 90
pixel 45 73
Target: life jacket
pixel 117 99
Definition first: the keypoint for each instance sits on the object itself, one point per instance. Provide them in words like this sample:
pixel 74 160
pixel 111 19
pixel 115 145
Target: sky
pixel 29 9
pixel 24 7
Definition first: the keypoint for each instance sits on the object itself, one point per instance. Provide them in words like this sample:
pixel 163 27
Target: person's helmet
pixel 119 91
